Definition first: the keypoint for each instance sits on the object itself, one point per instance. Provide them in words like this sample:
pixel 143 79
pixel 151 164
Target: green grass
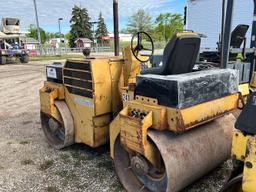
pixel 46 165
pixel 123 44
pixel 106 164
pixel 56 57
pixel 10 142
pixel 117 187
pixel 68 176
pixel 65 158
pixel 80 158
pixel 24 142
pixel 27 162
pixel 52 189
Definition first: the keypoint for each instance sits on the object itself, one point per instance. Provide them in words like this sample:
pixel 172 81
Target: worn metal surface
pixel 180 120
pixel 189 156
pixel 249 174
pixel 67 123
pixel 239 143
pixel 90 129
pixel 48 94
pixel 243 177
pixel 253 80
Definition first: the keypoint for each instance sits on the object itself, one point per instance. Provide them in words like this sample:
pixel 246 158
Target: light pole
pixel 38 28
pixel 59 20
pixel 93 28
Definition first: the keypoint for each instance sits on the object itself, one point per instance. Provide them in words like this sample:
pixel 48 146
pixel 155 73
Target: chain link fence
pixel 56 51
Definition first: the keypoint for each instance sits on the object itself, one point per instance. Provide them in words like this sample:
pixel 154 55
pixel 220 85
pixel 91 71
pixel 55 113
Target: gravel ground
pixel 28 163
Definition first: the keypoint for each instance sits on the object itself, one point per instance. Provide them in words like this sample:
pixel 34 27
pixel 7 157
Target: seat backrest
pixel 238 35
pixel 179 55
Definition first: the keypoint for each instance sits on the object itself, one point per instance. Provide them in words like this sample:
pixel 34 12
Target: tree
pixel 68 37
pixel 166 25
pixel 50 35
pixel 102 30
pixel 80 25
pixel 32 32
pixel 140 21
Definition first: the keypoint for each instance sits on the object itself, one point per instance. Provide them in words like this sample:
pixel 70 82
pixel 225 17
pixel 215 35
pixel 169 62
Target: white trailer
pixel 204 16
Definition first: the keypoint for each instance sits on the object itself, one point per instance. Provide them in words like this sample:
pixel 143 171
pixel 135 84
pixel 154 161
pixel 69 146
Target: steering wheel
pixel 139 49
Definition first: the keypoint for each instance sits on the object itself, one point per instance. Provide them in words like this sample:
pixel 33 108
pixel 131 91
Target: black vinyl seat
pixel 179 56
pixel 238 36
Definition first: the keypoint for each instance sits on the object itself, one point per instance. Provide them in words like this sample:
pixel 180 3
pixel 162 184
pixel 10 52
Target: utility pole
pixel 222 33
pixel 116 27
pixel 38 28
pixel 227 33
pixel 60 19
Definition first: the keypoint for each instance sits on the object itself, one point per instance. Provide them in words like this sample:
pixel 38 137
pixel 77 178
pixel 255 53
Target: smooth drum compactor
pixel 167 126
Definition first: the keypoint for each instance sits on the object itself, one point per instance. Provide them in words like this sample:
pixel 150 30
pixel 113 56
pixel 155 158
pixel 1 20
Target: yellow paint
pixel 194 115
pixel 244 149
pixel 239 145
pixel 114 132
pixel 131 67
pixel 48 94
pixel 96 119
pixel 134 134
pixel 249 175
pixel 180 120
pixel 180 34
pixel 133 131
pixel 244 89
pixel 253 80
pixel 108 79
pixel 92 116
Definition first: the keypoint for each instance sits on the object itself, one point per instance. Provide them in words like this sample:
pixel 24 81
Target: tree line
pixel 80 27
pixel 161 29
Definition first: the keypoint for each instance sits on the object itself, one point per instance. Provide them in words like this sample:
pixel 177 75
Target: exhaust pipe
pixel 116 27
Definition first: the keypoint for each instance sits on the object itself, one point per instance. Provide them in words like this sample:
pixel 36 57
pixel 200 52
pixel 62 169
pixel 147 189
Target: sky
pixel 50 10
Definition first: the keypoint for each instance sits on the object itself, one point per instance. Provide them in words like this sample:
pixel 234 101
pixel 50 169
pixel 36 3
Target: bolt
pixel 248 165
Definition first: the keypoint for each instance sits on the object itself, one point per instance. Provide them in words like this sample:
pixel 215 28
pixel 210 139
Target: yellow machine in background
pixel 243 177
pixel 161 138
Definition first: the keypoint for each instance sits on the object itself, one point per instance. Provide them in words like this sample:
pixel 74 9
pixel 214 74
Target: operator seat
pixel 238 36
pixel 179 56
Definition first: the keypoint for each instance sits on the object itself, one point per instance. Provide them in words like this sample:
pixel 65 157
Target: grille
pixel 78 78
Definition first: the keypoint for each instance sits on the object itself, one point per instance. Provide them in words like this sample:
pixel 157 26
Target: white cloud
pixel 51 10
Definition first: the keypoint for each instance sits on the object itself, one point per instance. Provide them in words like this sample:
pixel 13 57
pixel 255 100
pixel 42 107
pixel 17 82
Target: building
pixel 205 16
pixel 31 43
pixel 122 37
pixel 83 43
pixel 55 42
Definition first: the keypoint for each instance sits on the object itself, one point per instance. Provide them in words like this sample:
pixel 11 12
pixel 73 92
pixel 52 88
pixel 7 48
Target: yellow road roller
pixel 243 176
pixel 167 126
